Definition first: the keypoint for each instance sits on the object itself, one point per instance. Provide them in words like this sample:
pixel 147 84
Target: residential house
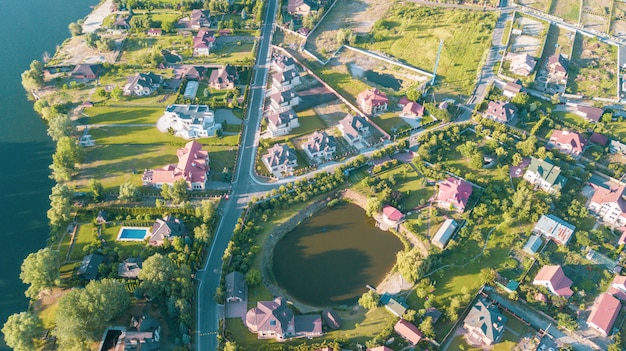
pixel 305 31
pixel 275 320
pixel 143 84
pixel 282 63
pixel 236 287
pixel 285 80
pixel 154 32
pixel 521 64
pixel 191 121
pixel 280 158
pixel 281 123
pixel 320 146
pixel 284 100
pixel 224 77
pixel 408 331
pixel 88 268
pixel 129 268
pixel 533 244
pixel 484 323
pixel 545 175
pixel 166 228
pixel 194 72
pixel 392 305
pixel 372 101
pixel 557 67
pixel 603 313
pixel 122 22
pixel 554 279
pixel 599 139
pixel 412 110
pixel 591 114
pixel 392 216
pixel 570 143
pixel 454 194
pixel 331 318
pixel 618 287
pixel 144 334
pixel 192 166
pixel 354 129
pixel 380 348
pixel 445 232
pixel 199 19
pixel 500 111
pixel 203 42
pixel 609 205
pixel 511 89
pixel 617 147
pixel 299 7
pixel 86 71
pixel 553 227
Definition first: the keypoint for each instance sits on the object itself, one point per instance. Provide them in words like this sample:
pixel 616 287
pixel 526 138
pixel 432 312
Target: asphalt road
pixel 243 189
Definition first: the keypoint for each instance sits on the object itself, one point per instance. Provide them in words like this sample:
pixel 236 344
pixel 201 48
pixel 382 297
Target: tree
pixel 253 277
pixel 231 346
pixel 520 100
pixel 168 25
pixel 64 160
pixel 91 39
pixel 206 211
pixel 83 313
pixel 369 300
pixel 128 192
pixel 410 264
pixel 201 233
pixel 413 95
pixel 21 330
pixel 157 274
pixel 60 126
pixel 616 345
pixel 75 29
pixel 32 79
pixel 179 192
pixel 468 149
pixel 476 162
pixel 426 327
pixel 41 271
pixel 60 206
pixel 528 146
pixel 373 206
pixel 117 93
pixel 487 275
pixel 409 315
pixel 97 190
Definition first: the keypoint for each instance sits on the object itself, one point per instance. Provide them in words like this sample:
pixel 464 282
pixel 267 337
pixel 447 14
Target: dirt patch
pixel 74 51
pixel 314 96
pixel 331 113
pixel 531 39
pixel 594 22
pixel 358 65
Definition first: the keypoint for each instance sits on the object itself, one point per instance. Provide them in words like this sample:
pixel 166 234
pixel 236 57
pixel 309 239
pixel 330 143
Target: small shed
pixel 533 244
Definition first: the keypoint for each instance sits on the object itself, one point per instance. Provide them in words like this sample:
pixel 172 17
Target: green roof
pixel 550 173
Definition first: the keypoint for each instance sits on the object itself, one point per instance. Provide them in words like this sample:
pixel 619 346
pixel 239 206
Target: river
pixel 28 28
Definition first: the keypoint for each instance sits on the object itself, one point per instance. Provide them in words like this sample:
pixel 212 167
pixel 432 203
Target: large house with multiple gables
pixel 372 101
pixel 280 158
pixel 545 175
pixel 320 146
pixel 192 167
pixel 281 123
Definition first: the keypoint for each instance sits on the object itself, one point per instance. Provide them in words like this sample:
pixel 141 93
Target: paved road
pixel 242 191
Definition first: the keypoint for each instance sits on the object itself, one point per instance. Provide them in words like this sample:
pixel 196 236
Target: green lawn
pixel 309 122
pixel 410 183
pixel 466 35
pixel 391 122
pixel 593 68
pixel 122 115
pixel 232 53
pixel 340 79
pixel 571 118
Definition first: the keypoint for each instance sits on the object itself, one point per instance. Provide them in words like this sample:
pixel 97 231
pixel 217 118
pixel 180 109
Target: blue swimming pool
pixel 132 233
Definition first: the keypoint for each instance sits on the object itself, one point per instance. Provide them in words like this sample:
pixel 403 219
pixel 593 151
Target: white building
pixel 191 121
pixel 609 205
pixel 320 146
pixel 281 123
pixel 280 158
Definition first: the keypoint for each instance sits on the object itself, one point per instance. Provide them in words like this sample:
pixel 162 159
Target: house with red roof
pixel 275 320
pixel 599 139
pixel 500 111
pixel 412 110
pixel 618 287
pixel 280 158
pixel 192 166
pixel 454 193
pixel 380 348
pixel 554 279
pixel 320 146
pixel 603 313
pixel 203 42
pixel 281 123
pixel 86 71
pixel 557 67
pixel 154 32
pixel 511 89
pixel 591 114
pixel 408 331
pixel 570 143
pixel 403 101
pixel 372 101
pixel 609 205
pixel 200 18
pixel 223 77
pixel 392 216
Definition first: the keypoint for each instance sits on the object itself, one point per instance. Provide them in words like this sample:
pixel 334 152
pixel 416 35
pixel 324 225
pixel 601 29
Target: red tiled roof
pixel 408 331
pixel 573 139
pixel 559 282
pixel 500 110
pixel 616 195
pixel 403 101
pixel 192 166
pixel 373 97
pixel 414 108
pixel 203 39
pixel 455 191
pixel 591 113
pixel 599 139
pixel 604 312
pixel 392 213
pixel 380 348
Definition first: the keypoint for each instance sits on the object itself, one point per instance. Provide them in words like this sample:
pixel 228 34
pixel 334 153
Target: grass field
pixel 566 9
pixel 593 68
pixel 466 36
pixel 122 115
pixel 391 122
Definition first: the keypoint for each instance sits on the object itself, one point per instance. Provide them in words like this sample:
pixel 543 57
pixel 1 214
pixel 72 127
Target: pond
pixel 329 259
pixel 384 79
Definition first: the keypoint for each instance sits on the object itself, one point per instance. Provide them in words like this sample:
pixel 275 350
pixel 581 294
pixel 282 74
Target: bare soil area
pixel 356 15
pixel 331 112
pixel 594 22
pixel 531 39
pixel 74 51
pixel 541 5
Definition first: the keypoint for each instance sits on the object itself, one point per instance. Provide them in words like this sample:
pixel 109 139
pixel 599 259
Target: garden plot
pixel 593 68
pixel 541 5
pixel 618 22
pixel 531 40
pixel 568 10
pixel 358 16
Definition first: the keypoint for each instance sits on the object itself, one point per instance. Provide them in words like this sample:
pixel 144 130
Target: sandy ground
pixel 95 18
pixel 529 41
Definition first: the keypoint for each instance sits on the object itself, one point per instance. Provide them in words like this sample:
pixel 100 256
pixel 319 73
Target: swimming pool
pixel 132 234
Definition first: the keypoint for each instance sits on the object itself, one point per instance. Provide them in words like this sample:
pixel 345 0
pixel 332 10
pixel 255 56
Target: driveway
pixel 95 18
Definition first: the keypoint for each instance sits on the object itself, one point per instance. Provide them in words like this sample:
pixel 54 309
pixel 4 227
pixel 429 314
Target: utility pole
pixel 432 82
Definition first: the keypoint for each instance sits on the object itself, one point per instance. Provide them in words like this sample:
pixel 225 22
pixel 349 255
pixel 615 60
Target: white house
pixel 284 100
pixel 545 176
pixel 354 129
pixel 143 84
pixel 191 121
pixel 320 146
pixel 285 80
pixel 280 158
pixel 281 123
pixel 609 205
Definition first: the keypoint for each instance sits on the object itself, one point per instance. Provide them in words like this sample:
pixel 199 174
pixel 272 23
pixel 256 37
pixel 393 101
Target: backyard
pixel 593 68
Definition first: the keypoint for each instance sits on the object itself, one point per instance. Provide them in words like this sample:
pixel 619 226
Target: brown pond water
pixel 329 259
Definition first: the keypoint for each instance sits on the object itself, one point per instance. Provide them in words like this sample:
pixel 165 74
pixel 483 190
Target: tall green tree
pixel 21 330
pixel 60 126
pixel 369 300
pixel 40 270
pixel 75 29
pixel 64 160
pixel 206 211
pixel 158 274
pixel 60 205
pixel 97 190
pixel 179 192
pixel 128 192
pixel 32 79
pixel 201 233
